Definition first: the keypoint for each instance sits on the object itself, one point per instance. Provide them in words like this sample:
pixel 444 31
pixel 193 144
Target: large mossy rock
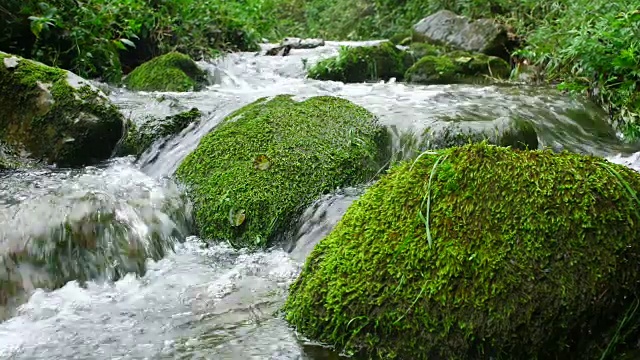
pixel 446 28
pixel 457 67
pixel 151 129
pixel 264 163
pixel 55 116
pixel 170 72
pixel 362 63
pixel 477 252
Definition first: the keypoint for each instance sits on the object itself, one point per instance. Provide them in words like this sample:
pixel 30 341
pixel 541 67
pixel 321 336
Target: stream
pixel 199 301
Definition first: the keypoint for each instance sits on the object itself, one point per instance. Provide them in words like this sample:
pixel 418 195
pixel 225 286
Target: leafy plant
pixel 103 38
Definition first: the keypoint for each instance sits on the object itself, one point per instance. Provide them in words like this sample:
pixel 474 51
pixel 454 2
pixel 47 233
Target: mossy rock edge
pixel 362 63
pixel 266 162
pixel 457 67
pixel 139 137
pixel 529 254
pixel 170 72
pixel 54 115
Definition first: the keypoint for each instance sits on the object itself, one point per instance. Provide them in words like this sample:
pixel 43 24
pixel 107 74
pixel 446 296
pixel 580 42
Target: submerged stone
pixel 502 131
pixel 140 137
pixel 457 67
pixel 475 252
pixel 170 72
pixel 266 162
pixel 362 63
pixel 54 115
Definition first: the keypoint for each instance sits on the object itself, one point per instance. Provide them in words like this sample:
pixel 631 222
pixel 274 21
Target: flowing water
pixel 199 301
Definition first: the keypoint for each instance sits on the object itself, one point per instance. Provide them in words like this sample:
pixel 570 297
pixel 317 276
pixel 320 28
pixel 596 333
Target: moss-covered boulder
pixel 170 72
pixel 362 63
pixel 477 252
pixel 53 115
pixel 457 67
pixel 266 162
pixel 151 129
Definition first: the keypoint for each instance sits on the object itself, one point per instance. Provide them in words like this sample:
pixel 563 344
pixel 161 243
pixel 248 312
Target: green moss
pixel 399 37
pixel 170 72
pixel 362 63
pixel 44 111
pixel 475 252
pixel 139 139
pixel 457 67
pixel 420 50
pixel 10 160
pixel 264 163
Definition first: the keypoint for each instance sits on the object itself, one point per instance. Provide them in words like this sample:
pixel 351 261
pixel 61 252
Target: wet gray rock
pixel 446 28
pixel 289 43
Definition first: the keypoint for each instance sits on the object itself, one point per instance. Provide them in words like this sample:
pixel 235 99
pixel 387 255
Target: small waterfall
pixel 99 222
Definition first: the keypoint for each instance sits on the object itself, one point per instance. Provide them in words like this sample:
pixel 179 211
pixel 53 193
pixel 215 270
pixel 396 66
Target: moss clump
pixel 55 115
pixel 362 63
pixel 267 161
pixel 400 37
pixel 475 252
pixel 139 139
pixel 170 72
pixel 457 67
pixel 420 50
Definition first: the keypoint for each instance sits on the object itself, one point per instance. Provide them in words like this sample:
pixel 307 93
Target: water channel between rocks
pixel 215 302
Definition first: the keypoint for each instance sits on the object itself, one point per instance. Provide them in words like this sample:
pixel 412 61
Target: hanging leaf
pixel 128 42
pixel 262 162
pixel 463 59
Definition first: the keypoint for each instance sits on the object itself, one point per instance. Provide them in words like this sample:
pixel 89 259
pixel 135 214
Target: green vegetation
pixel 585 46
pixel 140 138
pixel 435 65
pixel 170 72
pixel 267 161
pixel 479 251
pixel 54 115
pixel 362 63
pixel 420 50
pixel 103 38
